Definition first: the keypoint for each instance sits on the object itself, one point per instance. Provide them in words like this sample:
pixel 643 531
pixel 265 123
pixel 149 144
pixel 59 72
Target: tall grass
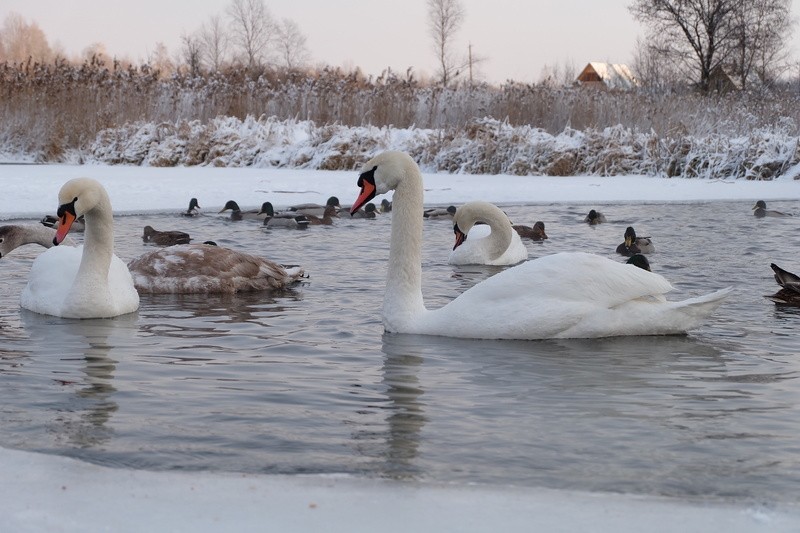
pixel 50 111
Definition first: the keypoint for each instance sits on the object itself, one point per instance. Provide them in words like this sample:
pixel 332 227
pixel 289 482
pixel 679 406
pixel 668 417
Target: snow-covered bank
pixel 32 190
pixel 484 146
pixel 57 494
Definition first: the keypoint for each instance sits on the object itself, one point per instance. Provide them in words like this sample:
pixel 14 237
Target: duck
pixel 760 211
pixel 165 238
pixel 50 221
pixel 290 220
pixel 370 211
pixel 208 269
pixel 564 295
pixel 325 220
pixel 238 214
pixel 594 217
pixel 635 245
pixel 790 286
pixel 386 206
pixel 535 233
pixel 13 236
pixel 639 260
pixel 315 209
pixel 440 212
pixel 193 209
pixel 87 281
pixel 484 236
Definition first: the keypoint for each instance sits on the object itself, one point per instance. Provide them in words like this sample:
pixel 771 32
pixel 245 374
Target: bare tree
pixel 159 59
pixel 95 53
pixel 21 41
pixel 697 34
pixel 445 19
pixel 763 28
pixel 191 52
pixel 252 28
pixel 214 42
pixel 291 44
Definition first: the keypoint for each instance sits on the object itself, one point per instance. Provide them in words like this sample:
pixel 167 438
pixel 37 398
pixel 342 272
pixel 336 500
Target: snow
pixel 32 190
pixel 47 493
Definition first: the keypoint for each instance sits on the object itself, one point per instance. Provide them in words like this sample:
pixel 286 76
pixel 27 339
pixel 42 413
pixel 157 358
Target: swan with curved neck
pixel 83 282
pixel 502 246
pixel 566 295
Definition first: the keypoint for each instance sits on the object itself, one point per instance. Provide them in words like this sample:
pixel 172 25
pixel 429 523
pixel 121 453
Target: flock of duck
pixel 563 295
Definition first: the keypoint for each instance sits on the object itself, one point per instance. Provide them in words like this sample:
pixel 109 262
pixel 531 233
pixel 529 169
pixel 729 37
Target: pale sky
pixel 517 38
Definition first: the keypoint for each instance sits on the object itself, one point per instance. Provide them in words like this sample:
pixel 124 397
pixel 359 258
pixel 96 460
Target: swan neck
pixel 403 300
pixel 98 245
pixel 501 235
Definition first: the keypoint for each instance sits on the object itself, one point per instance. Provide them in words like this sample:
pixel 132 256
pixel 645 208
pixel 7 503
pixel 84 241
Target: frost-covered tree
pixel 252 29
pixel 445 19
pixel 22 41
pixel 291 44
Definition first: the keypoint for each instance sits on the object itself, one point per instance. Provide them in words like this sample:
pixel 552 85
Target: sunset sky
pixel 517 39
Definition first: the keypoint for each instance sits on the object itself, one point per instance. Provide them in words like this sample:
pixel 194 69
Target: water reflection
pixel 83 420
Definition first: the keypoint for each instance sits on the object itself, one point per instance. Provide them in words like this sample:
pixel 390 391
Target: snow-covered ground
pixel 47 493
pixel 32 190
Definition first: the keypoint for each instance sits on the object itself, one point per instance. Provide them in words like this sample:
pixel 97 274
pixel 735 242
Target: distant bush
pixel 63 112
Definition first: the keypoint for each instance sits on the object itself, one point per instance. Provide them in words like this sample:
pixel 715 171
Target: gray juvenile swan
pixel 563 295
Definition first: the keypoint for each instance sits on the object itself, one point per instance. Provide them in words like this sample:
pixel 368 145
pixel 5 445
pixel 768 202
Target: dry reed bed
pixel 335 120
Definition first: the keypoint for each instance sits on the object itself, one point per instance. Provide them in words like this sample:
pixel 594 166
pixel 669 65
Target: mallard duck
pixel 386 206
pixel 50 221
pixel 238 214
pixel 535 233
pixel 594 218
pixel 640 261
pixel 325 220
pixel 193 210
pixel 564 295
pixel 370 211
pixel 165 238
pixel 760 211
pixel 790 286
pixel 315 209
pixel 635 245
pixel 440 212
pixel 290 220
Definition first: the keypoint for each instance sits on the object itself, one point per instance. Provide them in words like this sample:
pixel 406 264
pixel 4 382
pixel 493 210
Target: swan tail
pixel 702 306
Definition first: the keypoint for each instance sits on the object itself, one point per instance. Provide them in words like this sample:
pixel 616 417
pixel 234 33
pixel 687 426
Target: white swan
pixel 205 268
pixel 558 296
pixel 494 242
pixel 87 281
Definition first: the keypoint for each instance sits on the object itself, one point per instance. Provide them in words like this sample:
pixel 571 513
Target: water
pixel 306 381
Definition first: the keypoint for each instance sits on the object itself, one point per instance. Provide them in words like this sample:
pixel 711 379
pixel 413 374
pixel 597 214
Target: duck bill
pixel 367 193
pixel 64 224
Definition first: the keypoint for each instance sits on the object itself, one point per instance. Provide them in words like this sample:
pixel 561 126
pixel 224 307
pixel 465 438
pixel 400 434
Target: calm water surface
pixel 307 382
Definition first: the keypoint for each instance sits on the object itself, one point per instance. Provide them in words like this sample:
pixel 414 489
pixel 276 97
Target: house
pixel 720 81
pixel 607 76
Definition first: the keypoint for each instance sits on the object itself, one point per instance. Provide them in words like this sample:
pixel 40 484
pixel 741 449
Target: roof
pixel 613 75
